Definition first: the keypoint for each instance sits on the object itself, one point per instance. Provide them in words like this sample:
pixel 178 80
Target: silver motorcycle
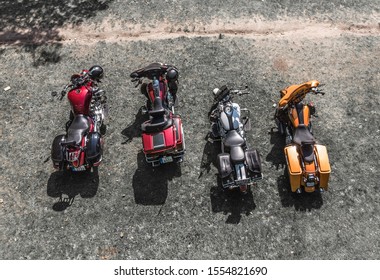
pixel 238 166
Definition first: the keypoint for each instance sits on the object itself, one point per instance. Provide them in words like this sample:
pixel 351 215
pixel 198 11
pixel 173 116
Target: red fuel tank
pixel 80 99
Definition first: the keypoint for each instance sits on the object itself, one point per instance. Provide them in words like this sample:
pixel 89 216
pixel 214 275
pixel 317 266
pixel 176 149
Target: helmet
pixel 172 74
pixel 96 72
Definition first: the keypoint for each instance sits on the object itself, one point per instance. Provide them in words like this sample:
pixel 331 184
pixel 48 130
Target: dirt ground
pixel 133 211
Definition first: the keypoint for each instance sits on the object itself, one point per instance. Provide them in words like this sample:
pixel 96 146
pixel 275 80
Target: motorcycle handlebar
pixel 317 91
pixel 221 93
pixel 63 93
pixel 240 92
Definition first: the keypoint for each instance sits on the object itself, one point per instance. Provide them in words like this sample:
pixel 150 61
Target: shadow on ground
pixel 276 155
pixel 231 203
pixel 150 184
pixel 67 185
pixel 209 156
pixel 34 25
pixel 134 128
pixel 301 202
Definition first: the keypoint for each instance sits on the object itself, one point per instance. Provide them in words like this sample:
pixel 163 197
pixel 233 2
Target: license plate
pixel 166 159
pixel 310 184
pixel 80 168
pixel 243 182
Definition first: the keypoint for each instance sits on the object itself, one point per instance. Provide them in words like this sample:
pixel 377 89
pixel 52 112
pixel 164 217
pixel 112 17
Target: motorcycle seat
pixel 79 127
pixel 237 154
pixel 157 124
pixel 233 139
pixel 302 135
pixel 307 152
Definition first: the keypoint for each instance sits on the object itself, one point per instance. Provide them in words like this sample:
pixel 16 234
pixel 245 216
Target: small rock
pixel 7 88
pixel 1 201
pixel 121 234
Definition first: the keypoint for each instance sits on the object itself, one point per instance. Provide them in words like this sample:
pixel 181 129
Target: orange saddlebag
pixel 294 167
pixel 324 165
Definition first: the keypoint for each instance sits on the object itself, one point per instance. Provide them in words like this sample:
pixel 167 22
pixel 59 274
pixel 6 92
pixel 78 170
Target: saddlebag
pixel 57 151
pixel 93 148
pixel 323 164
pixel 253 161
pixel 224 165
pixel 294 167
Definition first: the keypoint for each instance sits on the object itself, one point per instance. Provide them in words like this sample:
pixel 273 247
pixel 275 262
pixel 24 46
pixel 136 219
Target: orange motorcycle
pixel 307 162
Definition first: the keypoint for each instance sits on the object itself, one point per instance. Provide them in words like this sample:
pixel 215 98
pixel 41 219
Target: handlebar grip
pixel 134 75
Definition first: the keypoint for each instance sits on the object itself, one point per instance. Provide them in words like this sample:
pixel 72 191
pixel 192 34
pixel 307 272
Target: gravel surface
pixel 133 211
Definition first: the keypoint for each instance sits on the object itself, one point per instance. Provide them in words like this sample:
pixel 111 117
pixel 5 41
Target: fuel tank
pixel 162 91
pixel 80 99
pixel 300 114
pixel 230 117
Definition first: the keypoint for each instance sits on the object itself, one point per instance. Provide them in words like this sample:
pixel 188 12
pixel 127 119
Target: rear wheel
pixel 244 189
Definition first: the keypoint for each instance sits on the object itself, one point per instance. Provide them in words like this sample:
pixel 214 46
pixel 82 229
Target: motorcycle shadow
pixel 66 185
pixel 276 155
pixel 134 128
pixel 209 156
pixel 229 202
pixel 150 184
pixel 300 201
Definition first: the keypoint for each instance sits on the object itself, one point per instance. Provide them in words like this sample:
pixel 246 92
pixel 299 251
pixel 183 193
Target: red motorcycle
pixel 162 135
pixel 81 147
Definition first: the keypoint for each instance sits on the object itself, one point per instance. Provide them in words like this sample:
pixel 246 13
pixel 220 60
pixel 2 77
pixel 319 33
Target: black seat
pixel 233 139
pixel 79 127
pixel 302 135
pixel 308 152
pixel 156 125
pixel 159 118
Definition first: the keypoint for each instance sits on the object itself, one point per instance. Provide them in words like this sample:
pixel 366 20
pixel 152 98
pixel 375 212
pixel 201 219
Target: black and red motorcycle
pixel 81 147
pixel 162 135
